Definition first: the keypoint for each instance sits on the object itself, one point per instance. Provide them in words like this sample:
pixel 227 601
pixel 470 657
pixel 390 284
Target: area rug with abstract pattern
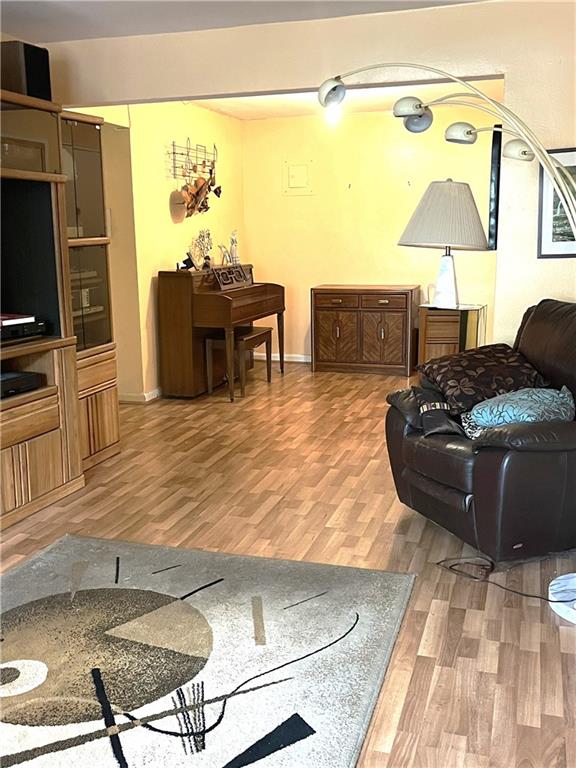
pixel 120 654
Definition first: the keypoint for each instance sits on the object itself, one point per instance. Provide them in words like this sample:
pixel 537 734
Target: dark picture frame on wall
pixel 555 237
pixel 494 188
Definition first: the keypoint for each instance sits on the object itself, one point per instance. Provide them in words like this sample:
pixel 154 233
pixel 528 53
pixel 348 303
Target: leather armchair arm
pixel 535 436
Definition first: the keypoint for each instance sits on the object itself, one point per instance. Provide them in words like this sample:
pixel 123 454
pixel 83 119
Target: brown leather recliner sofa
pixel 511 494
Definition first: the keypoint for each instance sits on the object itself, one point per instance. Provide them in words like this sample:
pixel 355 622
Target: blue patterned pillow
pixel 525 405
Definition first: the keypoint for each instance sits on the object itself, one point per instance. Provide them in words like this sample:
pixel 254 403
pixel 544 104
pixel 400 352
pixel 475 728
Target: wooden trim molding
pixel 16 173
pixel 29 101
pixel 93 351
pixel 79 242
pixel 13 516
pixel 79 117
pixel 27 397
pixel 97 458
pixel 36 347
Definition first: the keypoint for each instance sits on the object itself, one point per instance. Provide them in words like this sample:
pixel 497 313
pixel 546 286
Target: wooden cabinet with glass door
pixel 39 444
pixel 90 287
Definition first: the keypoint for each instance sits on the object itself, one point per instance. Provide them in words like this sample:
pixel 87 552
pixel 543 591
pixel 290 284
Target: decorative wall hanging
pixel 555 238
pixel 196 168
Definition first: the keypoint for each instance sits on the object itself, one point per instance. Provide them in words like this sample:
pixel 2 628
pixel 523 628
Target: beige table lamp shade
pixel 446 217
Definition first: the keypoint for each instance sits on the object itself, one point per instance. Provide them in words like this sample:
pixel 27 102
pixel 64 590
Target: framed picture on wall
pixel 555 236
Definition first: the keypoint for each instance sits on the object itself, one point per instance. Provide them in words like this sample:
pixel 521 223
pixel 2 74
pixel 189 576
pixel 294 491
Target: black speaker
pixel 25 69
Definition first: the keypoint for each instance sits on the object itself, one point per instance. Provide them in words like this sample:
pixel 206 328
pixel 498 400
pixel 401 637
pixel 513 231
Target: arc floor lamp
pixel 525 145
pixel 417 117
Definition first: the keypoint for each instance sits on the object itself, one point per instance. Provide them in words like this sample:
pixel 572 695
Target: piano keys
pixel 192 305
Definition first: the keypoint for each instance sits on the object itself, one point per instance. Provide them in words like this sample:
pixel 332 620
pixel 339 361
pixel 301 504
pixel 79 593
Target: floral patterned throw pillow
pixel 469 377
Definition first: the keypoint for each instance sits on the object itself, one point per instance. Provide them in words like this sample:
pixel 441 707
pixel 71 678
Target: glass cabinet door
pixel 82 162
pixel 90 296
pixel 29 139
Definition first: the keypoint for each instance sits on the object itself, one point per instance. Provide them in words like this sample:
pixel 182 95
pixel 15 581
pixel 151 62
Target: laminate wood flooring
pixel 479 678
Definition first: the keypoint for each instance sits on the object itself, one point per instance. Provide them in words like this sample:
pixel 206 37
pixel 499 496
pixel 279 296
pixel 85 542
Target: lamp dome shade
pixel 419 123
pixel 332 91
pixel 408 106
pixel 461 133
pixel 446 216
pixel 517 149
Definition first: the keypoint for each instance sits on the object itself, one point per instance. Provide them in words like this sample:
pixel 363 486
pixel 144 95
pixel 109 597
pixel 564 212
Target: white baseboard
pixel 139 397
pixel 287 358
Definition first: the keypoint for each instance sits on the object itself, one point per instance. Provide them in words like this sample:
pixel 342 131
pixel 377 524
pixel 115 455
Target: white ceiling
pixel 47 21
pixel 375 99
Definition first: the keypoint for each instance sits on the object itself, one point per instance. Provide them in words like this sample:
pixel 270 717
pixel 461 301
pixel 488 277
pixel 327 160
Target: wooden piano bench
pixel 243 343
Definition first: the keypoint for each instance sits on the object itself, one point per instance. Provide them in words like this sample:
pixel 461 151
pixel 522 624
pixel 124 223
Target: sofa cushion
pixel 474 375
pixel 448 459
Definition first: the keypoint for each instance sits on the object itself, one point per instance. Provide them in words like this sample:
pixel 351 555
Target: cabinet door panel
pixel 103 419
pixel 8 491
pixel 84 427
pixel 44 455
pixel 394 352
pixel 325 332
pixel 371 337
pixel 347 337
pixel 90 296
pixel 89 196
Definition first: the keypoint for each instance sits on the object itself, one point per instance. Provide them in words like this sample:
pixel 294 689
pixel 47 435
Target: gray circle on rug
pixel 146 644
pixel 8 675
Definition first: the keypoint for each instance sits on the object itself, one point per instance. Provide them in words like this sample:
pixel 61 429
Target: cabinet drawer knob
pixel 336 301
pixel 383 301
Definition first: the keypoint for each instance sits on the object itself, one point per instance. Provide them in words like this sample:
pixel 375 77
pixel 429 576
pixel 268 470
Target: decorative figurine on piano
pixel 203 245
pixel 198 257
pixel 230 256
pixel 187 263
pixel 234 258
pixel 225 255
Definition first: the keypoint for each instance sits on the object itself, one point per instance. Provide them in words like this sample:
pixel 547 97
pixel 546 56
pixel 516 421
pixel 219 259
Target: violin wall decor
pixel 195 168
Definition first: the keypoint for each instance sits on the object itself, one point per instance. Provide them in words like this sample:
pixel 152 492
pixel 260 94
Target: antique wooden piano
pixel 195 304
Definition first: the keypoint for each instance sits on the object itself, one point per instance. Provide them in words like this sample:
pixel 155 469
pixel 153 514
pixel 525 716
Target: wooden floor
pixel 298 470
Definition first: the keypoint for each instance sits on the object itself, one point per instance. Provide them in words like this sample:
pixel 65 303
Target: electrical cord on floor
pixel 484 568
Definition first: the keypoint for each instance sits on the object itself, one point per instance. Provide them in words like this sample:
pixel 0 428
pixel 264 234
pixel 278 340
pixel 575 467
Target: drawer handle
pixel 383 301
pixel 336 301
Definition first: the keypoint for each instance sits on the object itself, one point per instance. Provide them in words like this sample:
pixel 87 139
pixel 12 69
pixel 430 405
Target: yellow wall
pixel 367 175
pixel 531 43
pixel 159 242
